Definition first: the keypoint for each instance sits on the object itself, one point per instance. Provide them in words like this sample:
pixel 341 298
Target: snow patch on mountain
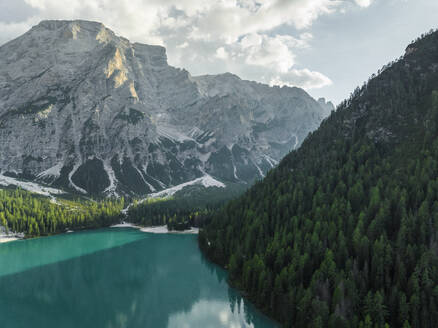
pixel 162 185
pixel 151 187
pixel 53 172
pixel 72 184
pixel 29 186
pixel 259 169
pixel 207 181
pixel 111 189
pixel 271 161
pixel 172 133
pixel 95 95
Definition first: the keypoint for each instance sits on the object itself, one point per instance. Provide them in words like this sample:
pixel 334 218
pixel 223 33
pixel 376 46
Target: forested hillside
pixel 344 232
pixel 187 208
pixel 34 215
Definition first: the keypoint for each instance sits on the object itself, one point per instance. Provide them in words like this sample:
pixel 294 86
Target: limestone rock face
pixel 86 110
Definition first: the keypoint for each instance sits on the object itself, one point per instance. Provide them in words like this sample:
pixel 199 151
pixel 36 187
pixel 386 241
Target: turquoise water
pixel 114 278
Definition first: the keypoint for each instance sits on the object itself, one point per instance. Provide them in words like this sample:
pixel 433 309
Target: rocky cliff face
pixel 84 109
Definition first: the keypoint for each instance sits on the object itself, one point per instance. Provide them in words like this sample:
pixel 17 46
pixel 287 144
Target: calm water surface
pixel 114 278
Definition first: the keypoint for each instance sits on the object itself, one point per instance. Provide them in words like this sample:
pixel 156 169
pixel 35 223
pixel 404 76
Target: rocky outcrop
pixel 84 109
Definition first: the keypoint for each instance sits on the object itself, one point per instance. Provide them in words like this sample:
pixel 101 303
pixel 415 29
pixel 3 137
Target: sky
pixel 327 47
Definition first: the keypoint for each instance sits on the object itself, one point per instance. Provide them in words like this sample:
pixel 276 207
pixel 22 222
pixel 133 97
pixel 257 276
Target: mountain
pixel 327 105
pixel 86 110
pixel 344 232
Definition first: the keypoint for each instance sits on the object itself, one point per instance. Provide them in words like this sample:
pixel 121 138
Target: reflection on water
pixel 142 280
pixel 215 313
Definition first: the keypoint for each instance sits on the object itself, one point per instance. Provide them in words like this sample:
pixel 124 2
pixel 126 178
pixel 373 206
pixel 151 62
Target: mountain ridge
pixel 97 114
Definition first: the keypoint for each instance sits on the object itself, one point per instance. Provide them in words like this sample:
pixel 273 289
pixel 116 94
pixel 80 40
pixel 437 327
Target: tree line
pixel 344 233
pixel 23 211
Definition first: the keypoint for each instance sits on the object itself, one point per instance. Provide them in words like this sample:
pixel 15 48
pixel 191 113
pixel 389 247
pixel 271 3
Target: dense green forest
pixel 187 208
pixel 175 213
pixel 344 233
pixel 34 215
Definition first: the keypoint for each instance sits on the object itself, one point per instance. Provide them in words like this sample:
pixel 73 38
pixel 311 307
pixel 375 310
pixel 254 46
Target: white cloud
pixel 273 52
pixel 221 53
pixel 363 3
pixel 183 45
pixel 268 59
pixel 11 30
pixel 304 78
pixel 216 313
pixel 206 36
pixel 229 22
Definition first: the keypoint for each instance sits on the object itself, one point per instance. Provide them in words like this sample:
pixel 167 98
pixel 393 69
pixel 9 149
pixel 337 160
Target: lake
pixel 116 278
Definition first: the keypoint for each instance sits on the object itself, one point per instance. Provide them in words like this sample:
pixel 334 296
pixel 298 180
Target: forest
pixel 176 214
pixel 23 211
pixel 343 233
pixel 187 208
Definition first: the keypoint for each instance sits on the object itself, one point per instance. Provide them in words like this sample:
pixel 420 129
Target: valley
pixel 135 194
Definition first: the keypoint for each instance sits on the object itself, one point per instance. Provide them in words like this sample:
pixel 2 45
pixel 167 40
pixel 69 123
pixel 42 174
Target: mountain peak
pixel 75 30
pixel 327 105
pixel 55 24
pixel 99 114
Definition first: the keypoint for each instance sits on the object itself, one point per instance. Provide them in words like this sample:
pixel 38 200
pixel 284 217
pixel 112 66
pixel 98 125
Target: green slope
pixel 187 208
pixel 36 215
pixel 344 232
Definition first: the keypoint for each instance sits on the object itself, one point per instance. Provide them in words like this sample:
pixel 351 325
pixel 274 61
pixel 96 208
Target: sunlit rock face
pixel 84 109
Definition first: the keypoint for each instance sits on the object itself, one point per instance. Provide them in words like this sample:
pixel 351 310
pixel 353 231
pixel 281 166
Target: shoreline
pixel 156 229
pixel 6 238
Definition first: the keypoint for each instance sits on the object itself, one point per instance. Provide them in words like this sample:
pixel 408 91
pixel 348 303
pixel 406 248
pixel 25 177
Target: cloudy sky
pixel 327 47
